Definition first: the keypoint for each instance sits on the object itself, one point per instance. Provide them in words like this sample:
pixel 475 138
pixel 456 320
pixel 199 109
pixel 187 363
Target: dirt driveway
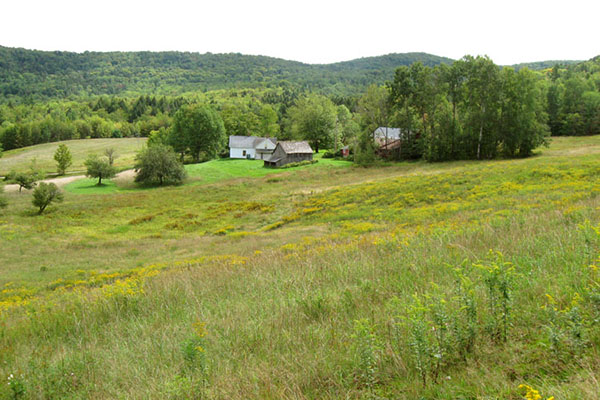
pixel 126 175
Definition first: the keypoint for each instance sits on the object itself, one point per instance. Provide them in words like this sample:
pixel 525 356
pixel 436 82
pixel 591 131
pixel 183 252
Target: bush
pixel 3 202
pixel 299 164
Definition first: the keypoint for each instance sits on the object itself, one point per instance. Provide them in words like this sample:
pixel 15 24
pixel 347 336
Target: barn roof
pixel 392 133
pixel 293 147
pixel 246 142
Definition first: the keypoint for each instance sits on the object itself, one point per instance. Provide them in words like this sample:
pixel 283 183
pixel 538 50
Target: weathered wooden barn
pixel 288 152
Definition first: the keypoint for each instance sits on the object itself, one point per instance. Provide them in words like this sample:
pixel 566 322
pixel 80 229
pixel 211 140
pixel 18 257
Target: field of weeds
pixel 475 280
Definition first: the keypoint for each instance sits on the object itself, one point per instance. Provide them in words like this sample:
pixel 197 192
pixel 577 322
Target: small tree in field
pixel 26 179
pixel 63 158
pixel 100 168
pixel 45 194
pixel 158 165
pixel 111 155
pixel 23 179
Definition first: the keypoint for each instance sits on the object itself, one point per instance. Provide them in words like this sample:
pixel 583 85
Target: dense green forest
pixel 470 108
pixel 39 75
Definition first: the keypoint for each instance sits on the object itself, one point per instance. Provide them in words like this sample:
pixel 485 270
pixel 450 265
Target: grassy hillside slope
pixel 436 281
pixel 43 154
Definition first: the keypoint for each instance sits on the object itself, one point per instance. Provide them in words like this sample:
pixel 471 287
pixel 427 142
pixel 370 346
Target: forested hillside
pixel 42 75
pixel 541 65
pixel 470 108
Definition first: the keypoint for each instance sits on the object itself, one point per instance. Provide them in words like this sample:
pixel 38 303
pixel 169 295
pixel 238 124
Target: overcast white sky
pixel 312 31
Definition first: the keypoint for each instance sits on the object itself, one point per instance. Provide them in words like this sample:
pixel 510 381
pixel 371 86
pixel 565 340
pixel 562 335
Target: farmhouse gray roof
pixel 292 147
pixel 392 133
pixel 247 142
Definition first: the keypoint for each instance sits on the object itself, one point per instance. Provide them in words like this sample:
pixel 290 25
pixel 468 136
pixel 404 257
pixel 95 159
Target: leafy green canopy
pixel 63 158
pixel 200 130
pixel 158 165
pixel 313 118
pixel 99 167
pixel 41 75
pixel 470 110
pixel 45 194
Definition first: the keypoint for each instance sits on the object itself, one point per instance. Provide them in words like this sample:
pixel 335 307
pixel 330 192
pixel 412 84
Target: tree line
pixel 573 99
pixel 244 112
pixel 470 109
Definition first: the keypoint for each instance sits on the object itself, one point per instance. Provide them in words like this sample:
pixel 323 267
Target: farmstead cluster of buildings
pixel 275 153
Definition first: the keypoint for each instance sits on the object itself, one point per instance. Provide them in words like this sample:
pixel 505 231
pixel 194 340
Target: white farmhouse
pixel 251 147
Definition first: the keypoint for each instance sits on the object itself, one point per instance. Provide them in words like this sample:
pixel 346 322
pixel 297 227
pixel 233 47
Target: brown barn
pixel 288 152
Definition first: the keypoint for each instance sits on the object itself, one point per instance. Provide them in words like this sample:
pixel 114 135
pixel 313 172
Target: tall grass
pixel 330 304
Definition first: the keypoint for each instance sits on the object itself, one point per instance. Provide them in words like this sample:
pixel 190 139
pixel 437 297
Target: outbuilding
pixel 288 152
pixel 384 135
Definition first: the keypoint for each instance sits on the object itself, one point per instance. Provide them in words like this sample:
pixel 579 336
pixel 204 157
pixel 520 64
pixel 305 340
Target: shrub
pixel 299 164
pixel 45 194
pixel 3 202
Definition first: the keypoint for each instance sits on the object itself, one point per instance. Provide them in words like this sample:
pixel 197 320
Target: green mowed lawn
pixel 218 170
pixel 207 173
pixel 43 154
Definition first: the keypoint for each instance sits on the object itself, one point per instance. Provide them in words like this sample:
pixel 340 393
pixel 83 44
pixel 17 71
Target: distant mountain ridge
pixel 57 74
pixel 540 65
pixel 39 74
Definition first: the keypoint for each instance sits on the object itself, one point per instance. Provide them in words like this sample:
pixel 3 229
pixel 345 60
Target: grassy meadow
pixel 43 154
pixel 461 280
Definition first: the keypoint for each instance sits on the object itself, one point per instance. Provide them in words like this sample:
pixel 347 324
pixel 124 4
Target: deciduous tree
pixel 268 121
pixel 111 155
pixel 25 180
pixel 374 108
pixel 313 118
pixel 63 158
pixel 99 167
pixel 158 165
pixel 200 129
pixel 45 194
